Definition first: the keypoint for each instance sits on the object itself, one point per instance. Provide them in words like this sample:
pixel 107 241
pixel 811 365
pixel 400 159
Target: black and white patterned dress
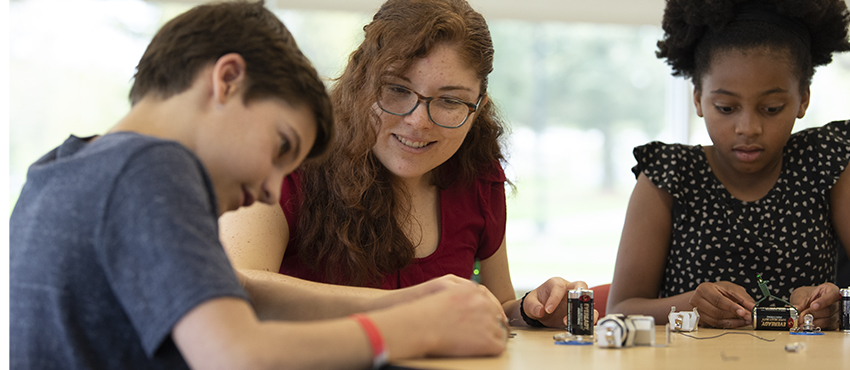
pixel 787 236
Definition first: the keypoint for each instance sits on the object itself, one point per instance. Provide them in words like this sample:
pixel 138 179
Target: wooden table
pixel 535 349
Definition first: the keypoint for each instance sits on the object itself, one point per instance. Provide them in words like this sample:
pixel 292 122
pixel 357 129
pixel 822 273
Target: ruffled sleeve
pixel 665 165
pixel 823 151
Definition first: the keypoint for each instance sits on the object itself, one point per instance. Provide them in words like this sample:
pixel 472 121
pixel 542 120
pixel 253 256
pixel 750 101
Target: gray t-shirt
pixel 111 243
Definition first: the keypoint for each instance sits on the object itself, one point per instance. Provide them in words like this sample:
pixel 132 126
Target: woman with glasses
pixel 413 187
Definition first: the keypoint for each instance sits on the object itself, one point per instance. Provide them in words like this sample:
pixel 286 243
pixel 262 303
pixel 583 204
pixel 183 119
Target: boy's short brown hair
pixel 275 66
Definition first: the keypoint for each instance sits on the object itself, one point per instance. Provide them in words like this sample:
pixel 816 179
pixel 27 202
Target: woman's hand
pixel 821 301
pixel 723 305
pixel 548 303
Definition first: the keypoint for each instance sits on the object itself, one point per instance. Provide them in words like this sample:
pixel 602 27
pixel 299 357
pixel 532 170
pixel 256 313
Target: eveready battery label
pixel 774 318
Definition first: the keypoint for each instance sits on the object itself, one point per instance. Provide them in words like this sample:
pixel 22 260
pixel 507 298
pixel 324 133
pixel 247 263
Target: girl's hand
pixel 820 301
pixel 723 305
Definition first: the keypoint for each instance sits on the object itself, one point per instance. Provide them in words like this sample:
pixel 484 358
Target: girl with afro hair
pixel 703 221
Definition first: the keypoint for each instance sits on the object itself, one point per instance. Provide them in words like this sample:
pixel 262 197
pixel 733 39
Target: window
pixel 578 98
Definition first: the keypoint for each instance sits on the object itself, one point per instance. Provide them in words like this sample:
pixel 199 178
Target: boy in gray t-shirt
pixel 115 256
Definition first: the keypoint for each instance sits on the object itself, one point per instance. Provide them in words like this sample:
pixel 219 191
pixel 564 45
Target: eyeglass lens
pixel 447 112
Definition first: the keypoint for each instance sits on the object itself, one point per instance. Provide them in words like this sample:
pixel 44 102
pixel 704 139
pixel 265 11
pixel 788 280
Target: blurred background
pixel 577 81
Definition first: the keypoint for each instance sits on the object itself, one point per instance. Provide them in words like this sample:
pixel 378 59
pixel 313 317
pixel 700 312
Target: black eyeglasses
pixel 445 112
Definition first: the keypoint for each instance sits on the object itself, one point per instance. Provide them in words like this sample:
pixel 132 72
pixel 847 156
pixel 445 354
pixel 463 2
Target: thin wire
pixel 730 332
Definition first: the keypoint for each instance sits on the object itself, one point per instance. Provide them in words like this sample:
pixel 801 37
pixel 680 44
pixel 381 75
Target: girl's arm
pixel 821 301
pixel 641 260
pixel 840 204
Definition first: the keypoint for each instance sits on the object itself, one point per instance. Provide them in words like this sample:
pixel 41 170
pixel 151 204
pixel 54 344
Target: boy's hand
pixel 548 303
pixel 821 301
pixel 723 305
pixel 427 288
pixel 466 319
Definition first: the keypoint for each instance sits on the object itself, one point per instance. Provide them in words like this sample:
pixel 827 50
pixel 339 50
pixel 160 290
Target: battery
pixel 844 310
pixel 774 318
pixel 580 312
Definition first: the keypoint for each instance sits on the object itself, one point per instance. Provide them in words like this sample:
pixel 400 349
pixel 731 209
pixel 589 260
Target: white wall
pixel 605 11
pixel 602 11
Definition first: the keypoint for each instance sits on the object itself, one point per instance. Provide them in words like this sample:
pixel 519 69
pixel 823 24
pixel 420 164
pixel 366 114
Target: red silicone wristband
pixel 379 351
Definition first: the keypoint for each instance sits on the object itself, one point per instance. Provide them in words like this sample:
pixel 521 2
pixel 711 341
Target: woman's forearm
pixel 281 297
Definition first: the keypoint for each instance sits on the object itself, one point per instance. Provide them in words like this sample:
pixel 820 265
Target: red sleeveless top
pixel 472 220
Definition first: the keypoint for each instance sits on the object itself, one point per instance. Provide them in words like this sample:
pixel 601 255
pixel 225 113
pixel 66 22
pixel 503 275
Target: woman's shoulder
pixel 295 176
pixel 492 172
pixel 291 197
pixel 486 188
pixel 482 174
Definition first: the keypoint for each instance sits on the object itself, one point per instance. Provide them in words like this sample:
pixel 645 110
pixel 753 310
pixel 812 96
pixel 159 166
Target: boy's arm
pixel 224 333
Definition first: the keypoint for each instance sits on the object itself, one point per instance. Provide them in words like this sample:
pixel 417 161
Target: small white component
pixel 795 347
pixel 644 329
pixel 683 321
